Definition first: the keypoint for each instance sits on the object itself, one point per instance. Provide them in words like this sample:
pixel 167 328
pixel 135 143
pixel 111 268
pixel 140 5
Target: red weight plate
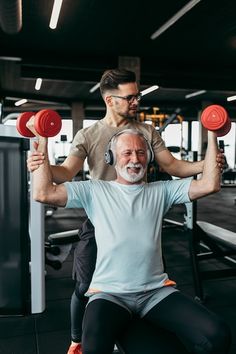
pixel 225 129
pixel 47 123
pixel 214 117
pixel 21 124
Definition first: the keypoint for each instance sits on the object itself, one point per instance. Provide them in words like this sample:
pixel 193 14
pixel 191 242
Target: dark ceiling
pixel 197 53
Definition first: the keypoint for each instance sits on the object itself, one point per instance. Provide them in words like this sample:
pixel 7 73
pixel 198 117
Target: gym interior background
pixel 191 64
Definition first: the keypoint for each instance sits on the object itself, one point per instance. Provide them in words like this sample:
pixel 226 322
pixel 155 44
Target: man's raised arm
pixel 211 177
pixel 44 190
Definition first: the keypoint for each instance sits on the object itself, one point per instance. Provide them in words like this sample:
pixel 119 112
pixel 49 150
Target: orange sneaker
pixel 75 349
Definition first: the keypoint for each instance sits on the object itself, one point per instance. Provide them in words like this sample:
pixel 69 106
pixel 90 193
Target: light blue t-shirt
pixel 128 223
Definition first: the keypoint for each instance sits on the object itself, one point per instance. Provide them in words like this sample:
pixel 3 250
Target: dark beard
pixel 129 117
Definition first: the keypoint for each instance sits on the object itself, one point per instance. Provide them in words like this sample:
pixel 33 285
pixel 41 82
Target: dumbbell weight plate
pixel 21 124
pixel 225 129
pixel 214 117
pixel 47 123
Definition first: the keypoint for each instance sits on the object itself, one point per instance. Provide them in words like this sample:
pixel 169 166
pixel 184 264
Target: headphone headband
pixel 109 155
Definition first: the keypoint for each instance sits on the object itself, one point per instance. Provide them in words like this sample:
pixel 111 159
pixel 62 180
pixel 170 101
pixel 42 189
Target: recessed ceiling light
pixel 175 18
pixel 231 98
pixel 196 93
pixel 38 84
pixel 94 88
pixel 149 89
pixel 10 58
pixel 55 13
pixel 21 102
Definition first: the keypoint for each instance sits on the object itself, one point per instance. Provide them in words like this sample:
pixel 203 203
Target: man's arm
pixel 44 190
pixel 178 168
pixel 182 168
pixel 67 170
pixel 211 177
pixel 61 173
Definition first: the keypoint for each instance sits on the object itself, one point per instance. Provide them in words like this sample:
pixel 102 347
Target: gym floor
pixel 49 332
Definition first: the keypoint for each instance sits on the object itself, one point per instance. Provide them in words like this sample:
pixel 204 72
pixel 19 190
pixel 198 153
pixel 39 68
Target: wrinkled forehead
pixel 130 141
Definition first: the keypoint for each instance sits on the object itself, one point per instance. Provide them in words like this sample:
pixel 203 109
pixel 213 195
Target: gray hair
pixel 129 131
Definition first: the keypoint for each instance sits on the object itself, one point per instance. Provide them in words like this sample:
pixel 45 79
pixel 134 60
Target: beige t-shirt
pixel 92 143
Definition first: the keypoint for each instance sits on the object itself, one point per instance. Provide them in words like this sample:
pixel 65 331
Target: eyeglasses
pixel 130 98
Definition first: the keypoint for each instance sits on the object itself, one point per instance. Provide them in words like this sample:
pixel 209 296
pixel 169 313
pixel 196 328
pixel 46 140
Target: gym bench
pixel 58 247
pixel 208 241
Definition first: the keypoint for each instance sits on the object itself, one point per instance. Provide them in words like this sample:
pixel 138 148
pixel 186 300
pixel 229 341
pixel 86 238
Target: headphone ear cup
pixel 109 157
pixel 152 156
pixel 149 157
pixel 150 153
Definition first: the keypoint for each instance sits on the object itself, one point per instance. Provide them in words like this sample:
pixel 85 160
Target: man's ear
pixel 108 100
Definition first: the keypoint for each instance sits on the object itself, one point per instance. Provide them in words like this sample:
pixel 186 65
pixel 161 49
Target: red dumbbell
pixel 47 123
pixel 216 118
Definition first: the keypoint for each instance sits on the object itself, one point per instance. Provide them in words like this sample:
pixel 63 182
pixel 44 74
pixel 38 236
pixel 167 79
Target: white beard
pixel 131 177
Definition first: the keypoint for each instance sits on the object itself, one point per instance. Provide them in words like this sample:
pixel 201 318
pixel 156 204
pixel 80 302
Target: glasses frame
pixel 130 98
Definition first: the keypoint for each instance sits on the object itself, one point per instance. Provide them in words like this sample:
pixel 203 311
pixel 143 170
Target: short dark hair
pixel 114 77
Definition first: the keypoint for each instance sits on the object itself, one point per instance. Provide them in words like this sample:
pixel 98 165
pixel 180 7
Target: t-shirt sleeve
pixel 176 192
pixel 79 146
pixel 158 143
pixel 152 135
pixel 79 195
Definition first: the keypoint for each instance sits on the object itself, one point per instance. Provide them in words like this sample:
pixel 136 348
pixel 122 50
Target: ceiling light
pixel 20 102
pixel 94 88
pixel 231 98
pixel 149 89
pixel 55 13
pixel 38 84
pixel 196 93
pixel 175 18
pixel 10 58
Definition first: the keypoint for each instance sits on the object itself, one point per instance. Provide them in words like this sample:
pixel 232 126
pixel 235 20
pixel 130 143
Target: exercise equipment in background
pixel 59 246
pixel 14 236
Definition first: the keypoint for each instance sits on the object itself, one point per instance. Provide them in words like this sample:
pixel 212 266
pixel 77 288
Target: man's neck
pixel 121 180
pixel 116 121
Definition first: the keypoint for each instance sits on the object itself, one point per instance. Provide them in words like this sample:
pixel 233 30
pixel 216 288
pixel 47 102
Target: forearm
pixel 211 177
pixel 67 170
pixel 44 190
pixel 178 168
pixel 182 168
pixel 211 171
pixel 60 174
pixel 42 177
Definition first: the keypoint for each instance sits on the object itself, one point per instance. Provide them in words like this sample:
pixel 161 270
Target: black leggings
pixel 201 331
pixel 77 309
pixel 84 264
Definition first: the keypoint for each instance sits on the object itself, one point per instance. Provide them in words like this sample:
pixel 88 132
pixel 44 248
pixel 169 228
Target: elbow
pixel 215 188
pixel 40 197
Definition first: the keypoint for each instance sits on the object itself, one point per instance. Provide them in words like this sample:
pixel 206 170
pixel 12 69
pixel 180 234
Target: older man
pixel 121 96
pixel 129 277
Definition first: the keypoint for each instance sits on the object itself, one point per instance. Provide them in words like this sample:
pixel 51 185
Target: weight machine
pixel 23 227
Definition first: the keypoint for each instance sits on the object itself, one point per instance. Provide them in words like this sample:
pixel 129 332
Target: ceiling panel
pixel 197 53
